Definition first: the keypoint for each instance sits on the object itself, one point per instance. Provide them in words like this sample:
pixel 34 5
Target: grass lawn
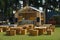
pixel 54 36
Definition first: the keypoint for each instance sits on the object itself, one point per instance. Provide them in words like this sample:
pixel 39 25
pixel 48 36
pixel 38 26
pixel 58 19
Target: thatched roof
pixel 28 9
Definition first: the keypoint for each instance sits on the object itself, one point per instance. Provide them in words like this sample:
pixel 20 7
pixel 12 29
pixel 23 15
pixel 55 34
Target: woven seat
pixel 23 31
pixel 33 32
pixel 49 32
pixel 5 29
pixel 18 31
pixel 1 30
pixel 41 31
pixel 53 28
pixel 11 32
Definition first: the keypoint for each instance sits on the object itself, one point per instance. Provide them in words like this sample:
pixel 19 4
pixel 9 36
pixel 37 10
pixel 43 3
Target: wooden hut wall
pixel 27 16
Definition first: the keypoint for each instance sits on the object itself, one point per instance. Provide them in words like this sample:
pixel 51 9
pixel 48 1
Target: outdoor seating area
pixel 28 29
pixel 29 19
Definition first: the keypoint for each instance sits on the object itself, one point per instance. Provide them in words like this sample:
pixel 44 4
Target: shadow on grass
pixel 9 35
pixel 38 35
pixel 32 35
pixel 47 34
pixel 57 25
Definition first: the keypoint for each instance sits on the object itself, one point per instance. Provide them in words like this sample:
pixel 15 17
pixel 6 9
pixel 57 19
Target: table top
pixel 40 27
pixel 4 26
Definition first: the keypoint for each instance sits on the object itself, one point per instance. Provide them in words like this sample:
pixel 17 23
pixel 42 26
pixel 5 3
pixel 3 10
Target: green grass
pixel 54 36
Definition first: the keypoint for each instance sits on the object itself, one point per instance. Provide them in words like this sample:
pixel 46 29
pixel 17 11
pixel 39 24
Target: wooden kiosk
pixel 28 15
